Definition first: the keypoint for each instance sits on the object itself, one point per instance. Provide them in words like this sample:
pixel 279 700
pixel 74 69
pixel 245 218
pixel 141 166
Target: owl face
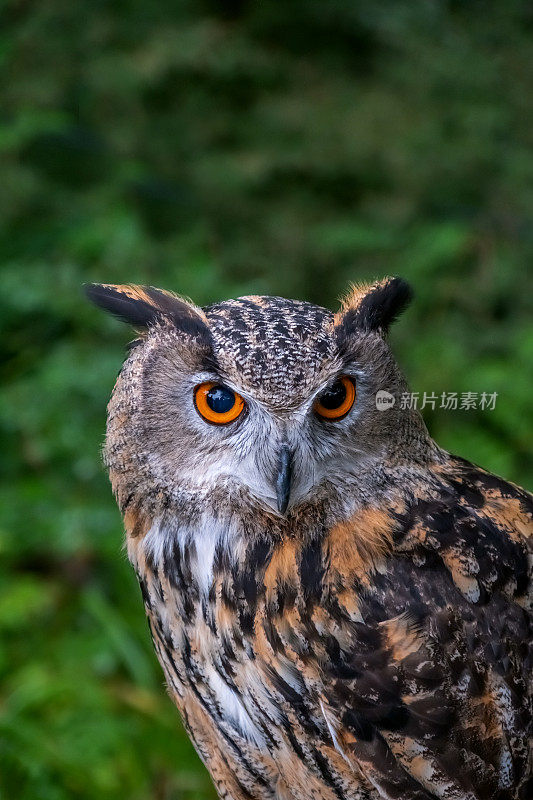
pixel 262 399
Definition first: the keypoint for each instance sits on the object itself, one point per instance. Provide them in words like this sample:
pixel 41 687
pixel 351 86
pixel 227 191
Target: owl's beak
pixel 283 478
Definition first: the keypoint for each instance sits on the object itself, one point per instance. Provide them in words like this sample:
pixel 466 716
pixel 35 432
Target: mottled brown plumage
pixel 373 641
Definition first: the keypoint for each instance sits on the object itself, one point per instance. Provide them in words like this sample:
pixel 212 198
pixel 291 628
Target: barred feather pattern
pixel 383 655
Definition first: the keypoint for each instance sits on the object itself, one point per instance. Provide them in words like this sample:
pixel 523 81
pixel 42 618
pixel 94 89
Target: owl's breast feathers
pixel 388 656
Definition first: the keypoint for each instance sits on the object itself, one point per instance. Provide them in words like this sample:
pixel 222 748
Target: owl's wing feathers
pixel 420 674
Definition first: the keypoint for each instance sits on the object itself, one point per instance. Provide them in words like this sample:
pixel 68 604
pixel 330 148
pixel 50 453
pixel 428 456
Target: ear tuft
pixel 142 306
pixel 374 307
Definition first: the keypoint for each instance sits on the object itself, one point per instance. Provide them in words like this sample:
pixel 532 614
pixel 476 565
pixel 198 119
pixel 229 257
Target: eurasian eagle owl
pixel 339 606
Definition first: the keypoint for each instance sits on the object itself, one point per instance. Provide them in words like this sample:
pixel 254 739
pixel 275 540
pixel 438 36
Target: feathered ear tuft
pixel 374 307
pixel 142 306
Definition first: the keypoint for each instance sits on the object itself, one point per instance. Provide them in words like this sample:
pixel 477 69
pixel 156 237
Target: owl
pixel 339 606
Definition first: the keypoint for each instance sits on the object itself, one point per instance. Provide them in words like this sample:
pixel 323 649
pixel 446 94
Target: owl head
pixel 259 402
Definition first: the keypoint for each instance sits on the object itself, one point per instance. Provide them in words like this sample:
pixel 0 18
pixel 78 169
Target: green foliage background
pixel 219 149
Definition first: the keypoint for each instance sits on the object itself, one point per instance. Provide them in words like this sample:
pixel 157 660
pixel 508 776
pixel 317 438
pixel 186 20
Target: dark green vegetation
pixel 219 149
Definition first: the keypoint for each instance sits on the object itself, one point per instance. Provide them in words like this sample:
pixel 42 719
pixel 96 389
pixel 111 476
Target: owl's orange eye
pixel 217 403
pixel 337 400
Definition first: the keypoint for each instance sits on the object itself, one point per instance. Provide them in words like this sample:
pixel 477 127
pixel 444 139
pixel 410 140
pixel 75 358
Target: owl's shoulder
pixel 474 528
pixel 445 534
